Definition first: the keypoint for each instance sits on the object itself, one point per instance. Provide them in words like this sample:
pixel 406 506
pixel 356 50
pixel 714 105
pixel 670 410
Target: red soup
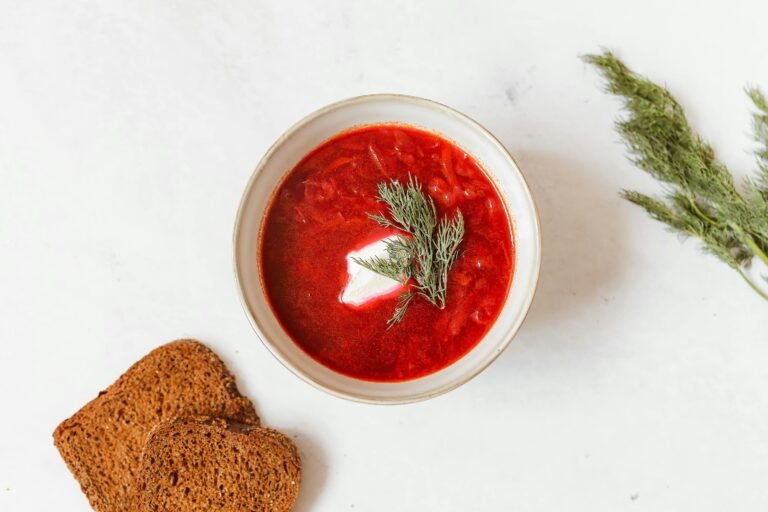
pixel 318 216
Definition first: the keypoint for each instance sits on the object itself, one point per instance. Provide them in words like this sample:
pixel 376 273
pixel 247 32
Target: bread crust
pixel 102 443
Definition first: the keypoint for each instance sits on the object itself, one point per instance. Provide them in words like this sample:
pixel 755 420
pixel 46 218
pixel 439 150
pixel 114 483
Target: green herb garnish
pixel 701 199
pixel 424 254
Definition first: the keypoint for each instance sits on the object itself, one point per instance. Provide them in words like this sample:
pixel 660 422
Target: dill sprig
pixel 424 254
pixel 701 199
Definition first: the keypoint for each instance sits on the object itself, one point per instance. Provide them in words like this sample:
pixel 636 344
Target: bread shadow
pixel 314 469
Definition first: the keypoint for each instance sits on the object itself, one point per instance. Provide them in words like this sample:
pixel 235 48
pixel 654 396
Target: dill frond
pixel 450 233
pixel 701 199
pixel 425 254
pixel 403 301
pixel 397 263
pixel 760 129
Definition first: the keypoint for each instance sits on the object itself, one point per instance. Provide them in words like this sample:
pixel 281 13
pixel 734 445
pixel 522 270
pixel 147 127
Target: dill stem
pixel 747 238
pixel 762 237
pixel 752 284
pixel 701 214
pixel 756 249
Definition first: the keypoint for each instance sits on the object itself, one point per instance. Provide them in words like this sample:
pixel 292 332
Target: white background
pixel 129 129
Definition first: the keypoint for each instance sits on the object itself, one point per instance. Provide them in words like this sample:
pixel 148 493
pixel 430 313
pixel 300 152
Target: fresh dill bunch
pixel 701 199
pixel 424 253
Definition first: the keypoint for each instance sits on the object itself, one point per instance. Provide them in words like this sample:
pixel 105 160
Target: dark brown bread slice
pixel 103 441
pixel 201 464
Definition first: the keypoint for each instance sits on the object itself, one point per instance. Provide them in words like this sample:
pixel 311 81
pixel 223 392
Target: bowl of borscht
pixel 387 249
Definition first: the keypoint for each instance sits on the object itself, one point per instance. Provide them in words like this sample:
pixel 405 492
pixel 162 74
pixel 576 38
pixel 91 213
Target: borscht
pixel 386 253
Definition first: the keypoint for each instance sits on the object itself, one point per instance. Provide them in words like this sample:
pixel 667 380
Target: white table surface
pixel 128 131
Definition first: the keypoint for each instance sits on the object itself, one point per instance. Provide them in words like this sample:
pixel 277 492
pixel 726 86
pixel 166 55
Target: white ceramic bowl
pixel 421 113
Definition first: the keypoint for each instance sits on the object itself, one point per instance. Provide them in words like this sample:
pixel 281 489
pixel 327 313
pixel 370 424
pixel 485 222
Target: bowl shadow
pixel 583 240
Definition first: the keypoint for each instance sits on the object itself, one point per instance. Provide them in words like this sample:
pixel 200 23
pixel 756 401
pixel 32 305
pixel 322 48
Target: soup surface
pixel 318 215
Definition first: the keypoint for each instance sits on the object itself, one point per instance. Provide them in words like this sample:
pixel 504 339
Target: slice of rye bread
pixel 103 441
pixel 201 464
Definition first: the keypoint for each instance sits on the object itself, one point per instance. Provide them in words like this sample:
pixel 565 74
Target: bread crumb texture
pixel 201 464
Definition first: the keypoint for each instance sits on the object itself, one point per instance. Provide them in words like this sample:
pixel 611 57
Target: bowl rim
pixel 275 351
